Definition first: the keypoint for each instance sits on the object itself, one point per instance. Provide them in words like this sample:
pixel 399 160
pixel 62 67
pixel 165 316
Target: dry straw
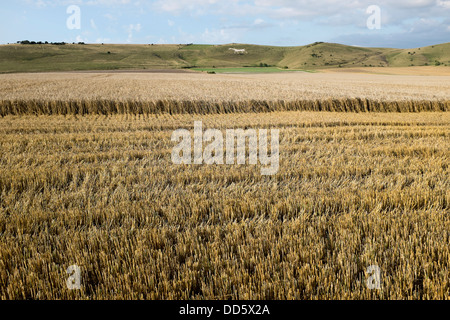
pixel 111 107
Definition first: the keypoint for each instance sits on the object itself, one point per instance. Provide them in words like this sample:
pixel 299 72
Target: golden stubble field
pixel 100 191
pixel 222 87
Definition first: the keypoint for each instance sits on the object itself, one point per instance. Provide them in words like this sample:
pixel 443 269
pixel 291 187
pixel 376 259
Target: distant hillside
pixel 48 57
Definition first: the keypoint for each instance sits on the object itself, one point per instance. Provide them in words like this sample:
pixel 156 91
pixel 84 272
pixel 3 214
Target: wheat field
pixel 144 87
pixel 97 188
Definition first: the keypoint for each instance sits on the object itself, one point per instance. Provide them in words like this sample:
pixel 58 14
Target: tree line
pixel 46 42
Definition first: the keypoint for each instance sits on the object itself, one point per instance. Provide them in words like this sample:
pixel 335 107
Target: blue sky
pixel 404 23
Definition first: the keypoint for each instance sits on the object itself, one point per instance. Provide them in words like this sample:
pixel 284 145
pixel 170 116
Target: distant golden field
pixel 84 182
pixel 405 71
pixel 222 87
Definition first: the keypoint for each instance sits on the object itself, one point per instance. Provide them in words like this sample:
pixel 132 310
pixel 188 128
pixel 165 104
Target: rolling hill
pixel 73 57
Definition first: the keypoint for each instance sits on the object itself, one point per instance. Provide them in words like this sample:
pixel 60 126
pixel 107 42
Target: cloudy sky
pixel 403 24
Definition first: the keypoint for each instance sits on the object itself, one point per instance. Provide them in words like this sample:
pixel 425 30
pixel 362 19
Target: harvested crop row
pixel 111 107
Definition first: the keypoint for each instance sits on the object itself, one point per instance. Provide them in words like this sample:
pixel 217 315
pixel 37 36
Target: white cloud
pixel 109 3
pixel 444 4
pixel 413 3
pixel 40 3
pixel 130 30
pixel 276 9
pixel 93 25
pixel 178 6
pixel 418 33
pixel 218 36
pixel 102 40
pixel 301 9
pixel 80 39
pixel 162 41
pixel 134 27
pixel 109 16
pixel 229 20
